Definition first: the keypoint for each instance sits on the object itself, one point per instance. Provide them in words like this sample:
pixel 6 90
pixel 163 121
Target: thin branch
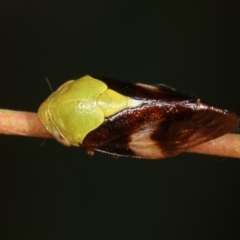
pixel 226 146
pixel 21 123
pixel 28 124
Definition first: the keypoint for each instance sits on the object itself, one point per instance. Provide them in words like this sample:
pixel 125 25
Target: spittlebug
pixel 131 120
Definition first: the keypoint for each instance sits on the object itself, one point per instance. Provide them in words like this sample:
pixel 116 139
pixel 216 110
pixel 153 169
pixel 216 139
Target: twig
pixel 21 123
pixel 28 124
pixel 226 146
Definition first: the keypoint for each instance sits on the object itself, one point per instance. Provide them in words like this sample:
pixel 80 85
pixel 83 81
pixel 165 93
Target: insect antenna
pixel 43 142
pixel 49 84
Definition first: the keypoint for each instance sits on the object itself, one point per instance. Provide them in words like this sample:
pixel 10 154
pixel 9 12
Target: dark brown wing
pixel 167 124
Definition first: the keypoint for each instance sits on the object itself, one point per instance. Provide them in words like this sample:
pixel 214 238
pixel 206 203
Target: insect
pixel 131 120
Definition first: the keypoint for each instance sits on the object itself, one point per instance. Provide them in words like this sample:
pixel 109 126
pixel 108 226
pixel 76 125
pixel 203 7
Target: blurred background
pixel 49 191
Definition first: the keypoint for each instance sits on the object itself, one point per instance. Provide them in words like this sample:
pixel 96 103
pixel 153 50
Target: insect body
pixel 136 120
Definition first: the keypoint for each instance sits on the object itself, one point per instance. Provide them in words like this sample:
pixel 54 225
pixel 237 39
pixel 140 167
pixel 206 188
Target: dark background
pixel 55 192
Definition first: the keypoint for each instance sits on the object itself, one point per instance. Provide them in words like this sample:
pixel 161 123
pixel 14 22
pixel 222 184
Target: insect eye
pixel 60 138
